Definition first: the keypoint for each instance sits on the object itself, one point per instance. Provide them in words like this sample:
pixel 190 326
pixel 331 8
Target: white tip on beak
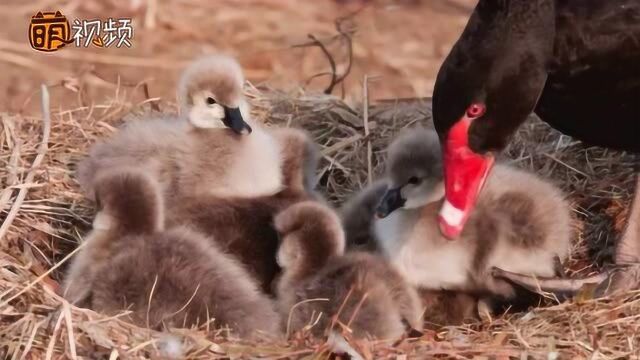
pixel 452 215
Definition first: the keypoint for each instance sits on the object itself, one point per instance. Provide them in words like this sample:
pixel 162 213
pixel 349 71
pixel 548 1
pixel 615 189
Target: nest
pixel 44 216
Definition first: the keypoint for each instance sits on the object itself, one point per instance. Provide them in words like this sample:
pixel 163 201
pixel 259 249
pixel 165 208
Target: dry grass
pixel 49 223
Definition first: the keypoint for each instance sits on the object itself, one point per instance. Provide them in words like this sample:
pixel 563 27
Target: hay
pixel 49 223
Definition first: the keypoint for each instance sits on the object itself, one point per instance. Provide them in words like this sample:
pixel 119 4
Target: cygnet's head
pixel 129 201
pixel 310 234
pixel 414 171
pixel 210 94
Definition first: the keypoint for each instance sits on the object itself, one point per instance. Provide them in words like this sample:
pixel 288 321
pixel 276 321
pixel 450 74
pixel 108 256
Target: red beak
pixel 464 174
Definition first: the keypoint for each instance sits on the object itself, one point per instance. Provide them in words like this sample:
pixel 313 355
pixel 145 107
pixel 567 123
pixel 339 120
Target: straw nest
pixel 44 216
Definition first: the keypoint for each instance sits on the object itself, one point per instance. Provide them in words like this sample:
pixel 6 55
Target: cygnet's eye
pixel 414 180
pixel 211 101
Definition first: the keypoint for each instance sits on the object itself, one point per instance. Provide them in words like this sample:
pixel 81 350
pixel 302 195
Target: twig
pixel 357 309
pixel 565 165
pixel 336 316
pixel 365 115
pixel 346 36
pixel 154 105
pixel 540 285
pixel 327 54
pixel 29 344
pixel 341 145
pixel 293 308
pixel 69 323
pixel 42 150
pixel 153 288
pixel 186 304
pixel 310 79
pixel 52 340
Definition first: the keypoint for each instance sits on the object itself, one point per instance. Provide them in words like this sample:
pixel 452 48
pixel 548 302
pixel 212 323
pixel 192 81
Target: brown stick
pixel 346 35
pixel 552 285
pixel 154 105
pixel 327 54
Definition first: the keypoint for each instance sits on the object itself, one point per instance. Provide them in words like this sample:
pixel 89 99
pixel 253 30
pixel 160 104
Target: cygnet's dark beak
pixel 233 120
pixel 391 201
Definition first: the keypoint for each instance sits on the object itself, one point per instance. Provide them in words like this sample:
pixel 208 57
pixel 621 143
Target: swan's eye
pixel 414 180
pixel 211 101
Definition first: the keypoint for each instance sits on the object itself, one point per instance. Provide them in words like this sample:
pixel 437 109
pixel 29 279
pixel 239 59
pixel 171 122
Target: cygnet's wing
pixel 151 143
pixel 300 158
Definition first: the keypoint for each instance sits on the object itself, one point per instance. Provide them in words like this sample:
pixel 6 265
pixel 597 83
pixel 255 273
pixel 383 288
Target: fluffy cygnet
pixel 323 289
pixel 214 147
pixel 522 223
pixel 165 277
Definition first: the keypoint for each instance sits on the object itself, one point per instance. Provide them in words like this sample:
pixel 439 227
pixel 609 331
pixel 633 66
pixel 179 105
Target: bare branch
pixel 347 37
pixel 345 34
pixel 327 54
